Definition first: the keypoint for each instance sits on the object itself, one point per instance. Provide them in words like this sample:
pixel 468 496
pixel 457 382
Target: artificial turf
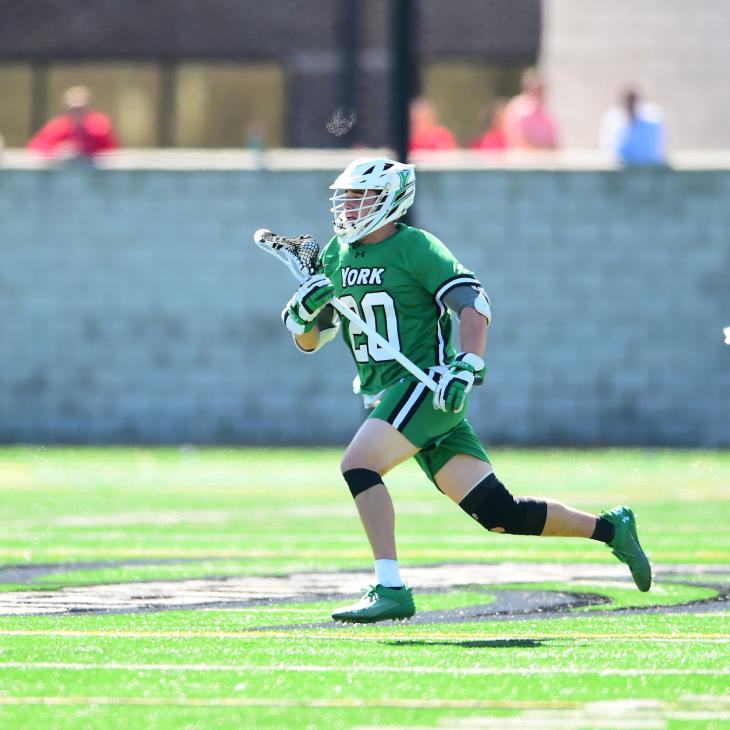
pixel 108 517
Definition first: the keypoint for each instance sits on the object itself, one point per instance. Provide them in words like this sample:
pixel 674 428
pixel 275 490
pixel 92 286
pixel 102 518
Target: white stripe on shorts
pixel 415 395
pixel 410 404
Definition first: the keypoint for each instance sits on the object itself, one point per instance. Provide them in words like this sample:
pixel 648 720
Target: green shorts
pixel 408 406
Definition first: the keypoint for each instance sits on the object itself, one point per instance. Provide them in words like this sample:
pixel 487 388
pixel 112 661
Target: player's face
pixel 358 203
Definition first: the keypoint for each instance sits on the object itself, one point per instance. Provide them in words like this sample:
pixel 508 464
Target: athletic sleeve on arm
pixel 466 295
pixel 463 295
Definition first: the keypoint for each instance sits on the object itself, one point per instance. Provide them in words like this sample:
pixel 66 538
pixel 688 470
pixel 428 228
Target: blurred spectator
pixel 426 132
pixel 79 132
pixel 528 124
pixel 634 131
pixel 495 137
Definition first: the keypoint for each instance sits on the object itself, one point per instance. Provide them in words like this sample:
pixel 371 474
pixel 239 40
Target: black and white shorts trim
pixel 410 402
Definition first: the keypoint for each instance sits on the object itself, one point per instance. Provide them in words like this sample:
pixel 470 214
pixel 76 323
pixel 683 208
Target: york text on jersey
pixel 361 276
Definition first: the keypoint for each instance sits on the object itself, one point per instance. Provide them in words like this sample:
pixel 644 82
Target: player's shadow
pixel 472 643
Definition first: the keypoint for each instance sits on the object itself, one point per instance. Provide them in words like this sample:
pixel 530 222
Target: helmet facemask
pixel 357 215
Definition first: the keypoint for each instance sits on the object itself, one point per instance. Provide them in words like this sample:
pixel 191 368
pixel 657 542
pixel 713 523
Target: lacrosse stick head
pixel 300 254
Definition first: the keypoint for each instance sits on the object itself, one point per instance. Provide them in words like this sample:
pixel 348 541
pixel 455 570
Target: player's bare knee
pixel 493 507
pixel 352 459
pixel 357 455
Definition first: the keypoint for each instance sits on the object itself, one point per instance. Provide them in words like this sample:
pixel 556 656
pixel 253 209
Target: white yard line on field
pixel 363 634
pixel 604 715
pixel 351 669
pixel 286 702
pixel 665 710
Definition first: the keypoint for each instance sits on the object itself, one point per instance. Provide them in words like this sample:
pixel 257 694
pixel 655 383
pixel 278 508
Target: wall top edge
pixel 321 159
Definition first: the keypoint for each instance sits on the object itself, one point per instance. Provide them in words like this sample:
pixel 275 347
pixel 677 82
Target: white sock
pixel 387 573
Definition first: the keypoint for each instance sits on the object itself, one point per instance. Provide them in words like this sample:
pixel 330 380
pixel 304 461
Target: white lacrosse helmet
pixel 394 186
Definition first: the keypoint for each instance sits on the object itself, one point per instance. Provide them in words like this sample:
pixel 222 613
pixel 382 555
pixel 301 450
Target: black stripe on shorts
pixel 401 403
pixel 415 407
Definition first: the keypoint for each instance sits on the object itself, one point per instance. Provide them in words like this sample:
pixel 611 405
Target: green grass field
pixel 170 588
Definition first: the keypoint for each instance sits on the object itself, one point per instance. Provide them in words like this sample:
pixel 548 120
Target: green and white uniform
pixel 398 287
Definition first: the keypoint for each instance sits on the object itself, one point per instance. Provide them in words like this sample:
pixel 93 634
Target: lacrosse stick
pixel 301 255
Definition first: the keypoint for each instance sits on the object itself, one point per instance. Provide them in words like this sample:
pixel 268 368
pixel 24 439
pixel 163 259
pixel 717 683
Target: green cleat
pixel 378 604
pixel 626 547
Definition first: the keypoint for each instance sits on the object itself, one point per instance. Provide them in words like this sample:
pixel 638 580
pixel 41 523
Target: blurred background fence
pixel 134 307
pixel 202 73
pixel 222 73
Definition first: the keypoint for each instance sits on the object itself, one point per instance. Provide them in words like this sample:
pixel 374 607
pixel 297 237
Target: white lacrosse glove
pixel 311 296
pixel 455 384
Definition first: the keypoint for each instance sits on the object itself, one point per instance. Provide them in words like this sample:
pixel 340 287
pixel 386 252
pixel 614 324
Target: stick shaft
pixel 382 342
pixel 300 275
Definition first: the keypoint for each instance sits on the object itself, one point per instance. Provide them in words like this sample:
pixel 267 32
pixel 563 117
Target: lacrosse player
pixel 408 286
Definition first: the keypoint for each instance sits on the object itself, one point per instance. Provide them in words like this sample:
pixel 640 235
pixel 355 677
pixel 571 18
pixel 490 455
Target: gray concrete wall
pixel 135 308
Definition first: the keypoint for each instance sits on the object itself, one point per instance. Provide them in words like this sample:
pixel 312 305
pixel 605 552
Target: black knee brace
pixel 492 506
pixel 361 479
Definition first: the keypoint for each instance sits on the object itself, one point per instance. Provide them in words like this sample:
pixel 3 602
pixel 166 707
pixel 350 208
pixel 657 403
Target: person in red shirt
pixel 79 132
pixel 426 132
pixel 495 138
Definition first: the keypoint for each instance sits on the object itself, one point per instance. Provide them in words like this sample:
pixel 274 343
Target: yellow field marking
pixel 176 552
pixel 15 476
pixel 363 635
pixel 356 669
pixel 715 558
pixel 285 702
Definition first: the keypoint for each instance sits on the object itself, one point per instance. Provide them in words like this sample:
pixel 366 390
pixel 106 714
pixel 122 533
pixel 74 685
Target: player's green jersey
pixel 397 286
